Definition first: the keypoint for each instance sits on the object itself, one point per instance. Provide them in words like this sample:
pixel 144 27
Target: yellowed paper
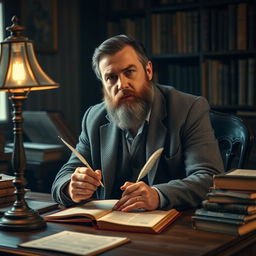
pixel 243 172
pixel 97 209
pixel 141 219
pixel 76 243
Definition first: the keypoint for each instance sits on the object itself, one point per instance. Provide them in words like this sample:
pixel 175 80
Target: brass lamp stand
pixel 20 73
pixel 20 216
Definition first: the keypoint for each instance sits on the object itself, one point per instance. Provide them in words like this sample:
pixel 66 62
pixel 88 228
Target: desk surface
pixel 178 239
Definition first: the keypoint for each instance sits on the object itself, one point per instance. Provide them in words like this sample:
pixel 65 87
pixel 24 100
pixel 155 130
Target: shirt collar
pixel 129 136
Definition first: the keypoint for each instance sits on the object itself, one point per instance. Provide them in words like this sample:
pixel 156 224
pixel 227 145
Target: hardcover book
pixel 7 199
pixel 6 181
pixel 232 208
pixel 225 215
pixel 101 214
pixel 7 191
pixel 240 179
pixel 245 194
pixel 229 199
pixel 232 227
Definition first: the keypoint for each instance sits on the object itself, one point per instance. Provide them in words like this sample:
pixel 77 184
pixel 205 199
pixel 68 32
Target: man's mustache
pixel 125 92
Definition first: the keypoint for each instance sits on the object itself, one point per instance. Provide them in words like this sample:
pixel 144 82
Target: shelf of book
pixel 219 35
pixel 179 56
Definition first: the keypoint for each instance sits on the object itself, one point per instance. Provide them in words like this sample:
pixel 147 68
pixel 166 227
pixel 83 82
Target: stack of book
pixel 230 206
pixel 7 196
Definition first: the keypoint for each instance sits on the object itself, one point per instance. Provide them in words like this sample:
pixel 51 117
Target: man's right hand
pixel 83 183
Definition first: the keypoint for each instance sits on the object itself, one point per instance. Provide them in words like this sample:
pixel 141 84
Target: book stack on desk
pixel 7 196
pixel 230 206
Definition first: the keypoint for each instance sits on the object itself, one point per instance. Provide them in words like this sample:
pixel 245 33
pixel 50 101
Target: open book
pixel 100 212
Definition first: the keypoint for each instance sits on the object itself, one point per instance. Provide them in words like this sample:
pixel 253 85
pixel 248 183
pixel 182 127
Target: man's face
pixel 123 76
pixel 126 86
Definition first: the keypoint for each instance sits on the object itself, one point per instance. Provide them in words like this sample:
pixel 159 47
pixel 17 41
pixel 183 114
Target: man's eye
pixel 129 72
pixel 111 78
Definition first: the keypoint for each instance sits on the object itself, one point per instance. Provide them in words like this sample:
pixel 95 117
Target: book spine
pixel 224 215
pixel 232 208
pixel 233 193
pixel 251 82
pixel 242 26
pixel 232 27
pixel 219 220
pixel 216 227
pixel 229 199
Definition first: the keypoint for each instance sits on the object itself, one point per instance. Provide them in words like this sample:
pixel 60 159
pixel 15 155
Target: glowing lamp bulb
pixel 18 72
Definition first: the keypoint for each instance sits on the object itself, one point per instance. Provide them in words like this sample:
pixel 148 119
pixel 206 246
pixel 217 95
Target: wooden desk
pixel 179 239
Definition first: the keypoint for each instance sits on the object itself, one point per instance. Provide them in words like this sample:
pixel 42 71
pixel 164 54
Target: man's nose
pixel 122 83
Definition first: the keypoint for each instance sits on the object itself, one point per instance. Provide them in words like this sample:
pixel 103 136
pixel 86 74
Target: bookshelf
pixel 202 47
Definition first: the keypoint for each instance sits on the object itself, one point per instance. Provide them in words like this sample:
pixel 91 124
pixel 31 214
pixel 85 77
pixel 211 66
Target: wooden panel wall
pixel 63 67
pixel 80 28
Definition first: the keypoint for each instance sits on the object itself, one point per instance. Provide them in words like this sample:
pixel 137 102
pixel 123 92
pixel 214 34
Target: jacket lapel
pixel 110 136
pixel 109 146
pixel 157 131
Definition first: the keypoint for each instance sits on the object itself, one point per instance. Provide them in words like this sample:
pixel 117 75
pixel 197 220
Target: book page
pixel 4 177
pixel 76 243
pixel 243 172
pixel 142 219
pixel 97 209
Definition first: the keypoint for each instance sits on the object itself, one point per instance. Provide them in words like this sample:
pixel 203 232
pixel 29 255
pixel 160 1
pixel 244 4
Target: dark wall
pixel 79 31
pixel 92 34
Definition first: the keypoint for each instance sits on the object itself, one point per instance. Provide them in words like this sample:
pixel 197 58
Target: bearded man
pixel 136 118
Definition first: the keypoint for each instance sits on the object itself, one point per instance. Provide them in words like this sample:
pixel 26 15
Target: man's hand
pixel 137 195
pixel 83 183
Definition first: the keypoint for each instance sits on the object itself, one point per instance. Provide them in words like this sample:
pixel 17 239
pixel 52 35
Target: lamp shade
pixel 19 68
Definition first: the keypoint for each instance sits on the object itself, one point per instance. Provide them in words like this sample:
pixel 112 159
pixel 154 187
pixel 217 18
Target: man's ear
pixel 149 70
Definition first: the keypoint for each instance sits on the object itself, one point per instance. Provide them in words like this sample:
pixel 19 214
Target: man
pixel 135 119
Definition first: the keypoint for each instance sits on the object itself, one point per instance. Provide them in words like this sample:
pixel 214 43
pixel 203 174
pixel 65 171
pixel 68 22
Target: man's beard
pixel 132 113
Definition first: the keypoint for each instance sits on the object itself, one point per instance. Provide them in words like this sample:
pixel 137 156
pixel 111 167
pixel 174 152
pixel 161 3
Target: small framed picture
pixel 39 17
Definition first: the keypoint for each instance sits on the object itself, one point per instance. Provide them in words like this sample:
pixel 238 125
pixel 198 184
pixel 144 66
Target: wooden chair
pixel 235 139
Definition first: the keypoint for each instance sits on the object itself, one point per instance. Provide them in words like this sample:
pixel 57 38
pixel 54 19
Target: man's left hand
pixel 137 196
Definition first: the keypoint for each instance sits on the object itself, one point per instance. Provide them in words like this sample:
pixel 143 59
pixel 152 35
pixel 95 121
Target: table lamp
pixel 20 73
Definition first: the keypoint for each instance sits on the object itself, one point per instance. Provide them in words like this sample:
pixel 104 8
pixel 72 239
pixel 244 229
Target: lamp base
pixel 21 220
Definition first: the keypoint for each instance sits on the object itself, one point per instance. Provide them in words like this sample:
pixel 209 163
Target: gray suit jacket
pixel 178 122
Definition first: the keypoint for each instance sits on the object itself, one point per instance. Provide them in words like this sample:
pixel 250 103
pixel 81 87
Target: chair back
pixel 234 137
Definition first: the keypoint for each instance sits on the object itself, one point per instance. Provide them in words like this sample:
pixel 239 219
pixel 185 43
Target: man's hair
pixel 115 44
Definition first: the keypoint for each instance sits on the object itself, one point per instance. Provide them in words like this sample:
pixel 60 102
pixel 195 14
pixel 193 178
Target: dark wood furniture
pixel 178 239
pixel 235 139
pixel 5 158
pixel 40 175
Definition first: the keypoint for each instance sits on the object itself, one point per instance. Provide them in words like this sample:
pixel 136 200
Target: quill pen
pixel 79 156
pixel 149 164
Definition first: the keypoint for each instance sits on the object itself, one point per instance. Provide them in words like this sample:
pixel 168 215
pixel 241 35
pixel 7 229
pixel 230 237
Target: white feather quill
pixel 79 156
pixel 149 164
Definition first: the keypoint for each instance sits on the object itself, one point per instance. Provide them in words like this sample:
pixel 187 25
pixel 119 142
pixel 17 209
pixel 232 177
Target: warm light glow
pixel 18 72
